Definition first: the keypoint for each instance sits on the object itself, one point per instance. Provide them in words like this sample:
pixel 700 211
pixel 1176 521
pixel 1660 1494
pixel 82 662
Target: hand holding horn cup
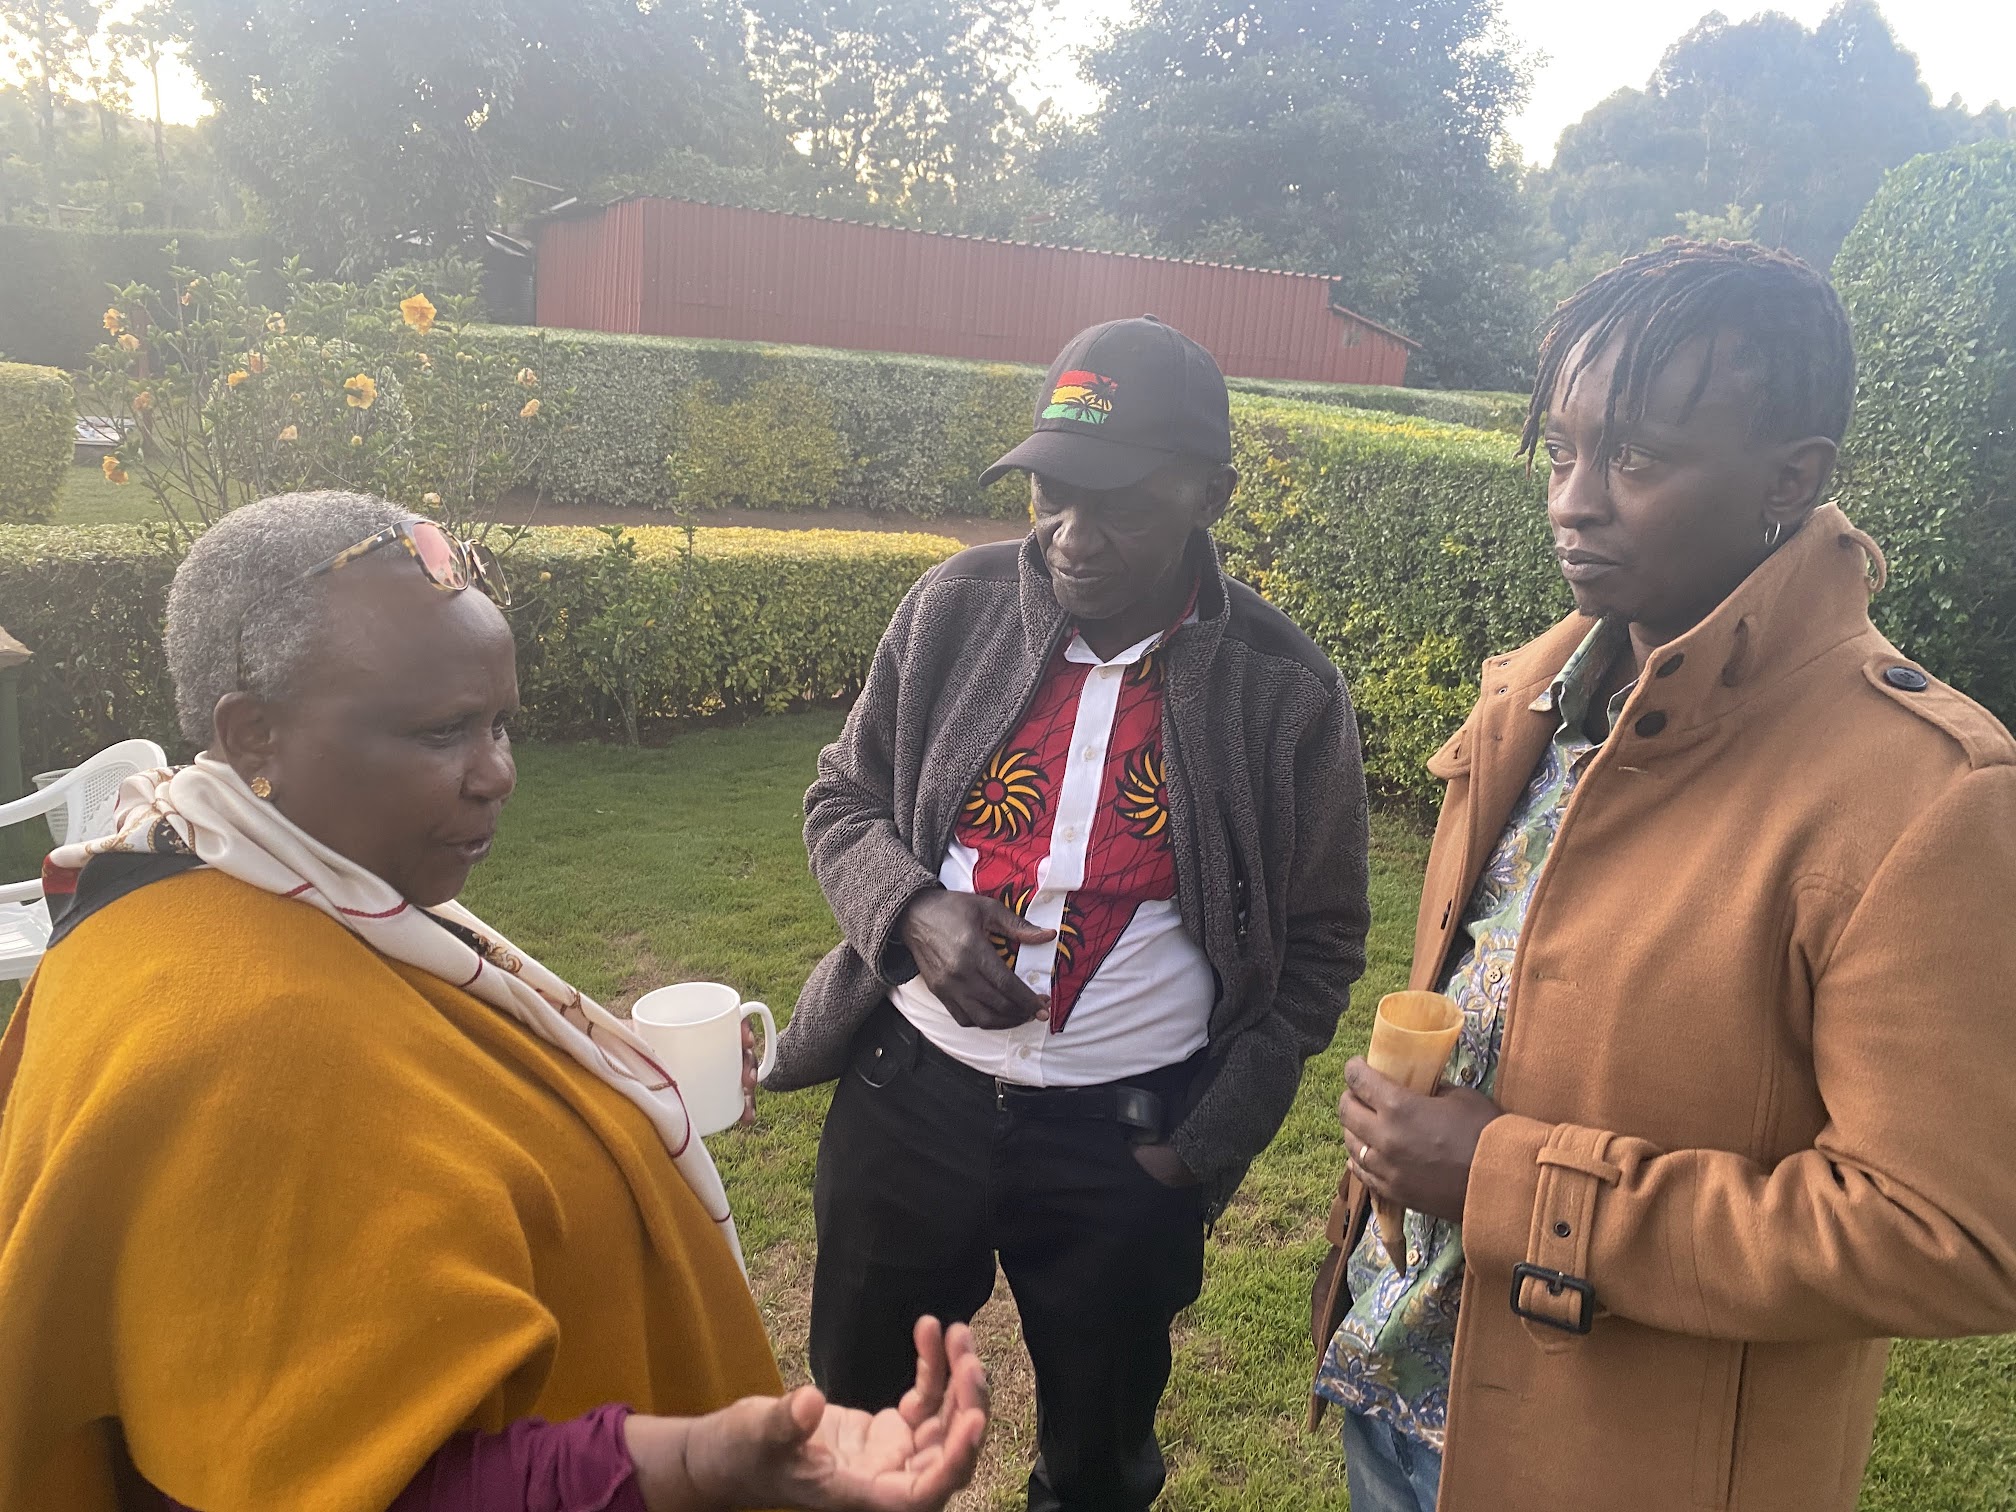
pixel 1410 1144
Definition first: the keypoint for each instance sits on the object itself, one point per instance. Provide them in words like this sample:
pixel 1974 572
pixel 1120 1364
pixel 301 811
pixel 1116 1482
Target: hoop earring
pixel 261 788
pixel 1773 534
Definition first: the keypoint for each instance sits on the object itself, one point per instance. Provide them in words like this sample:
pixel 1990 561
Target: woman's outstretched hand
pixel 798 1450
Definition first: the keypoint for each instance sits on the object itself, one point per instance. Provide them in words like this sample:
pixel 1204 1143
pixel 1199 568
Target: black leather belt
pixel 890 1043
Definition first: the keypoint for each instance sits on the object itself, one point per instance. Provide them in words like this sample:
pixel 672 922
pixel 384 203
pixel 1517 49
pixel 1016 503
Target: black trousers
pixel 924 1179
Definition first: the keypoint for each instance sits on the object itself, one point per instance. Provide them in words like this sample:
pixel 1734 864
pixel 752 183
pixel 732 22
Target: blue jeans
pixel 1388 1471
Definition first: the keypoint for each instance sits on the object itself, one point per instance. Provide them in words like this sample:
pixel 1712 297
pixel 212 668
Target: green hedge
pixel 38 430
pixel 1929 278
pixel 1408 549
pixel 54 284
pixel 1478 409
pixel 766 427
pixel 775 427
pixel 610 639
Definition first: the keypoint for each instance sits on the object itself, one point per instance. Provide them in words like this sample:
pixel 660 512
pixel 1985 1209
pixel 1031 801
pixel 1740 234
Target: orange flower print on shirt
pixel 1008 798
pixel 1144 794
pixel 1016 901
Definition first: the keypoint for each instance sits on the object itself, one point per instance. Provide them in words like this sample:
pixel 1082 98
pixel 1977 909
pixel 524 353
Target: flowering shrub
pixel 368 387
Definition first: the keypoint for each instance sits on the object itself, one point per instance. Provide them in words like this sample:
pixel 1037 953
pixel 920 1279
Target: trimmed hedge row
pixel 1479 409
pixel 54 284
pixel 38 428
pixel 770 427
pixel 613 637
pixel 1409 550
pixel 1929 279
pixel 796 428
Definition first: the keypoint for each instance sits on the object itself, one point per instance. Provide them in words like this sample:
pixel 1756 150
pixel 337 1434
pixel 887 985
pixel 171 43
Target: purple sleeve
pixel 581 1465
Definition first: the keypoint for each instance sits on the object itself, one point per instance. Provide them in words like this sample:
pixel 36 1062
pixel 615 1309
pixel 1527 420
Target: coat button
pixel 1561 1229
pixel 1671 665
pixel 1909 679
pixel 1650 724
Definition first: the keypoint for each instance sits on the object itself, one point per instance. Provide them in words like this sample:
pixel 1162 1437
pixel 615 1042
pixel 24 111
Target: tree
pixel 360 122
pixel 47 41
pixel 146 38
pixel 902 105
pixel 1359 138
pixel 1796 127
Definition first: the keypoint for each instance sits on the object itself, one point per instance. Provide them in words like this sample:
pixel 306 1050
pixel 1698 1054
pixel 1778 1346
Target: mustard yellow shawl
pixel 290 1214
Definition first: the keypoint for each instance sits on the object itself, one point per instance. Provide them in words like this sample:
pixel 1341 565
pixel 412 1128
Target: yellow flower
pixel 545 577
pixel 289 433
pixel 356 440
pixel 430 498
pixel 185 296
pixel 256 361
pixel 234 379
pixel 113 320
pixel 277 324
pixel 128 342
pixel 143 402
pixel 527 378
pixel 418 312
pixel 360 392
pixel 426 363
pixel 531 409
pixel 114 473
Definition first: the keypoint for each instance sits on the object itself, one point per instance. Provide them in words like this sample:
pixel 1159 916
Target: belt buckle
pixel 1556 1283
pixel 1000 1095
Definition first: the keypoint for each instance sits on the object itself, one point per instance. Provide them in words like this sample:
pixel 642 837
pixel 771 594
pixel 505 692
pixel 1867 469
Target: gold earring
pixel 261 788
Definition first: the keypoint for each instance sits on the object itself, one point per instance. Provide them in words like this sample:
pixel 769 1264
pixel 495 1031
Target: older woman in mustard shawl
pixel 317 1193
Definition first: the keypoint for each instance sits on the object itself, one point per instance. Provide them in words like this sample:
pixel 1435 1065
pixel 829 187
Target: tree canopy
pixel 1360 138
pixel 1794 126
pixel 360 121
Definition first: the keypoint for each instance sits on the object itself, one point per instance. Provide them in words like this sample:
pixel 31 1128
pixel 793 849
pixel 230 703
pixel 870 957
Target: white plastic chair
pixel 85 796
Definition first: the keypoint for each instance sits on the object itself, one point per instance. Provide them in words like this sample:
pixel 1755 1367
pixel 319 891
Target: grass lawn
pixel 87 499
pixel 625 869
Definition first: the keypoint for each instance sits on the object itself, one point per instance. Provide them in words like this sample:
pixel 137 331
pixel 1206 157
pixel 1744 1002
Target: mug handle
pixel 769 1060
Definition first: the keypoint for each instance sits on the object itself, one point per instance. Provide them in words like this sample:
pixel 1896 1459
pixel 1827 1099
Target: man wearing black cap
pixel 1095 838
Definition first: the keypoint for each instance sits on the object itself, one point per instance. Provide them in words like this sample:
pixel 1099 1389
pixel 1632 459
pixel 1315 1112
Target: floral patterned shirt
pixel 1390 1356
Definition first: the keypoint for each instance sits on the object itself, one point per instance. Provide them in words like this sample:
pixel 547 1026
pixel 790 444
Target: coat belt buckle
pixel 1556 1283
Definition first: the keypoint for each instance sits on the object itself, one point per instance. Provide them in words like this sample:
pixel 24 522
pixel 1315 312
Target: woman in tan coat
pixel 1723 884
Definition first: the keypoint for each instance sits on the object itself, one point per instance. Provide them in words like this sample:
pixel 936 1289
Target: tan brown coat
pixel 1758 1065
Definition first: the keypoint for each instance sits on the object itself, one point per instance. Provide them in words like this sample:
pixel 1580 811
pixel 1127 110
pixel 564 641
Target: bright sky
pixel 1592 48
pixel 1588 48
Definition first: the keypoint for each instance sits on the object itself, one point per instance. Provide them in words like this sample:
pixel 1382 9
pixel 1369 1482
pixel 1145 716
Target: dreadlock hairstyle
pixel 1784 320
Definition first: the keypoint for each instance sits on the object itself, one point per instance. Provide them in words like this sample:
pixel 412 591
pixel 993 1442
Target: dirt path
pixel 518 508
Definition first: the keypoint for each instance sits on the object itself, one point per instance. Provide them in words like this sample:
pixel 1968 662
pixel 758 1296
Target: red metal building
pixel 662 267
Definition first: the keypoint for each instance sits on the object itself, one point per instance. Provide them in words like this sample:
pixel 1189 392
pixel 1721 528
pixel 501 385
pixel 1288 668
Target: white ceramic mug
pixel 694 1030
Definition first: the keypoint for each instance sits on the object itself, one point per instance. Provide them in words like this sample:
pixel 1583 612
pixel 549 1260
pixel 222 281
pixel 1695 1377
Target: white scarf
pixel 208 811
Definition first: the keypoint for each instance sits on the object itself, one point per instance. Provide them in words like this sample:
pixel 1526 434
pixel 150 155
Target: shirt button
pixel 1069 832
pixel 1109 673
pixel 1090 753
pixel 1413 1258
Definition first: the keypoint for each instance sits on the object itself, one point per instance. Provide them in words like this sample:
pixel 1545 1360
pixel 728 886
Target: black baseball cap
pixel 1121 400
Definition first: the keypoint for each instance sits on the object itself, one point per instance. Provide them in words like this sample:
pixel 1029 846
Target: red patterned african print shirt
pixel 1069 826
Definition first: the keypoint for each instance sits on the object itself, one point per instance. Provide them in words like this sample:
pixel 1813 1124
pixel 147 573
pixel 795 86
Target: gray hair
pixel 233 623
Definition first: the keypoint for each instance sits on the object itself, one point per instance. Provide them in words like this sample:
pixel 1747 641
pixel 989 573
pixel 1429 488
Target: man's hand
pixel 1412 1149
pixel 1163 1163
pixel 798 1450
pixel 947 934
